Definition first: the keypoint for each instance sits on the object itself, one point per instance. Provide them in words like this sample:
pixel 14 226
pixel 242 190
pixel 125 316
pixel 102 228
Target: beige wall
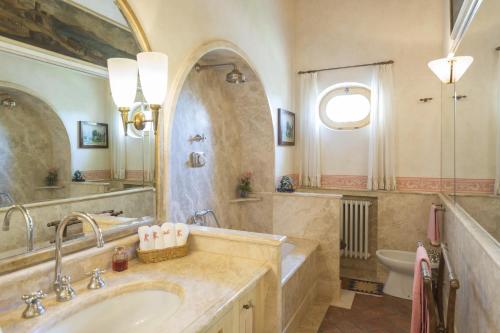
pixel 74 96
pixel 333 33
pixel 261 29
pixel 476 127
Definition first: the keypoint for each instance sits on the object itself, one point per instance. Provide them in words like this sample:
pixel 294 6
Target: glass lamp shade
pixel 123 81
pixel 451 69
pixel 153 72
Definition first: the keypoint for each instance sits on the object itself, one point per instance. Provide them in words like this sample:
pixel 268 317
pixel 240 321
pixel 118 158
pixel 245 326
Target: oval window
pixel 346 108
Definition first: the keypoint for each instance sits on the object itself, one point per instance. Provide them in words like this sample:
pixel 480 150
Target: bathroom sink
pixel 136 311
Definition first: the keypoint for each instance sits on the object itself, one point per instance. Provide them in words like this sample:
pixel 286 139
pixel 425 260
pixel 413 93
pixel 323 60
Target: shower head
pixel 234 76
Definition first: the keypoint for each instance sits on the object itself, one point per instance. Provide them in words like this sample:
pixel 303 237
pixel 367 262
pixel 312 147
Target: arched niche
pixel 33 140
pixel 236 120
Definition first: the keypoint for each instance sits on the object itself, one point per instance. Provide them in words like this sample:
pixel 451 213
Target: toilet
pixel 400 264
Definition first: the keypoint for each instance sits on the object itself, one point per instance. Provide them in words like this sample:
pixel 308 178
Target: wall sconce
pixel 123 83
pixel 153 72
pixel 450 69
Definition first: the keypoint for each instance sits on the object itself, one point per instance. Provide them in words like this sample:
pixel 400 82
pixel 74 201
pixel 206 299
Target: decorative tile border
pixel 96 174
pixel 465 185
pixel 418 184
pixel 407 184
pixel 134 175
pixel 106 175
pixel 345 181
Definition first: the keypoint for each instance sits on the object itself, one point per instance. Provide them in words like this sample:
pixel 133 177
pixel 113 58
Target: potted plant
pixel 51 179
pixel 245 186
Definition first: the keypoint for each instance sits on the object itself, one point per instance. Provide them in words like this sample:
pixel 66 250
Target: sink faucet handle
pixel 37 295
pixel 65 292
pixel 96 281
pixel 34 306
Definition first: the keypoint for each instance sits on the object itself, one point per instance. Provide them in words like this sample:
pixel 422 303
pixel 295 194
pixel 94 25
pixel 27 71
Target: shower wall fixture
pixel 234 76
pixel 8 102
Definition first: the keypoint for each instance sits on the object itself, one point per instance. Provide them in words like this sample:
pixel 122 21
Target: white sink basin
pixel 136 311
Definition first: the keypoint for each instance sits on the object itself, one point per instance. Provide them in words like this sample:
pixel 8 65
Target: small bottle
pixel 120 259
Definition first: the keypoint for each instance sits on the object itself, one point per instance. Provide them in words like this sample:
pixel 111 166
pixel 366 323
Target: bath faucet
pixel 28 220
pixel 202 213
pixel 62 284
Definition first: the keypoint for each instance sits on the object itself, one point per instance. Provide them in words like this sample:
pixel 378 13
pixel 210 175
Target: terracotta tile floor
pixel 369 314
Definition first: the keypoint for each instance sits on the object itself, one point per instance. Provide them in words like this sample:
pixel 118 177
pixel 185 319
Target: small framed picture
pixel 92 135
pixel 286 128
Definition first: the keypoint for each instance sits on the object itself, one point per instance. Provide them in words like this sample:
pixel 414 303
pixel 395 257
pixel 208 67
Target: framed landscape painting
pixel 286 128
pixel 92 135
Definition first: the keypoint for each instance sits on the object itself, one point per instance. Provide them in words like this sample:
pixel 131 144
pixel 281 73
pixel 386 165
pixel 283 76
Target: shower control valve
pixel 198 159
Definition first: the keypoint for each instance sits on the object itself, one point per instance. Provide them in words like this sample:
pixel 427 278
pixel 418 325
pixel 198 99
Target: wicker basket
pixel 150 256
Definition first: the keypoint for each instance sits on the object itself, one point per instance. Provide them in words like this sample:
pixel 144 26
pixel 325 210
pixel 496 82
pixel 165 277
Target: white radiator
pixel 354 219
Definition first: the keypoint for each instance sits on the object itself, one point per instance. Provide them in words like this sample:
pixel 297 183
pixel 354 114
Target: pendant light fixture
pixel 450 69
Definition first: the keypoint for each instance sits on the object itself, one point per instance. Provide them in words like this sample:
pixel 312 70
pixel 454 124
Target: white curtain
pixel 118 146
pixel 310 168
pixel 149 155
pixel 381 159
pixel 497 170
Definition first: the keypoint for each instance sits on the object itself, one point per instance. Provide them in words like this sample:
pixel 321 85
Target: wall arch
pixel 238 121
pixel 175 88
pixel 33 140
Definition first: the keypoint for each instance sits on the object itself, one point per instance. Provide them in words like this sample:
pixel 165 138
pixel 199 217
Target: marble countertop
pixel 207 284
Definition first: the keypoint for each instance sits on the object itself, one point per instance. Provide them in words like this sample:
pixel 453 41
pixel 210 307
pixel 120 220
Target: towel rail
pixel 451 274
pixel 439 207
pixel 435 297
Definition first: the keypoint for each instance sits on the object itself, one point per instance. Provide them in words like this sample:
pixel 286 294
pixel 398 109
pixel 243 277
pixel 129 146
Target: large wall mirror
pixel 471 123
pixel 62 143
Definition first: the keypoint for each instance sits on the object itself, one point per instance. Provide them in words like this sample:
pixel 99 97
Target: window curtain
pixel 497 169
pixel 149 155
pixel 381 159
pixel 310 168
pixel 119 147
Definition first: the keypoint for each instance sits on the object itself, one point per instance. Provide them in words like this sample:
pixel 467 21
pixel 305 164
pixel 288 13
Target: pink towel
pixel 419 312
pixel 433 227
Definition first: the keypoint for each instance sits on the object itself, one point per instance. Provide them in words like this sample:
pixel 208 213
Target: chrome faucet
pixel 27 219
pixel 201 213
pixel 62 285
pixel 34 306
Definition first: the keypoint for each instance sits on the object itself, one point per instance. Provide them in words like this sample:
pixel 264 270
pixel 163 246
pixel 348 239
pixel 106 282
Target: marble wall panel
pixel 401 220
pixel 204 108
pixel 238 126
pixel 317 218
pixel 133 203
pixel 485 210
pixel 249 245
pixel 475 258
pixel 32 140
pixel 297 289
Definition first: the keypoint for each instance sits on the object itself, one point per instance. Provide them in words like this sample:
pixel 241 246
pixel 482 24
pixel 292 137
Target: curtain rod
pixel 352 66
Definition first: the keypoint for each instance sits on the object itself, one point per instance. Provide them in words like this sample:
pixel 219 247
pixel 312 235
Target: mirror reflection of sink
pixel 136 311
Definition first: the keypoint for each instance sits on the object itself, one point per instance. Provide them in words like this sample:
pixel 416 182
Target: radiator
pixel 354 226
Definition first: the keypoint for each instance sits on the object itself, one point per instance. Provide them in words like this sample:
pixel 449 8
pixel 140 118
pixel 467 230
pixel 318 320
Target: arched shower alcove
pixel 236 121
pixel 33 140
